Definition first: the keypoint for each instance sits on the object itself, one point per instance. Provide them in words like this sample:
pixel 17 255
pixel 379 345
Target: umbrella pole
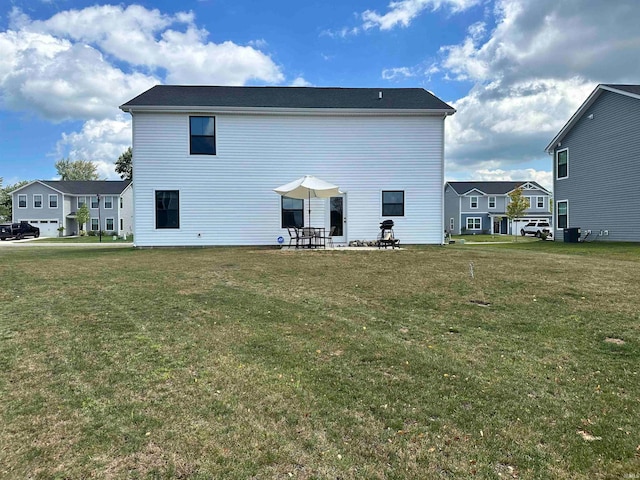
pixel 309 208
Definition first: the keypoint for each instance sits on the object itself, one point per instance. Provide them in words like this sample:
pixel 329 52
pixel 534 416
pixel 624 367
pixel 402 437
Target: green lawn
pixel 257 363
pixel 494 238
pixel 86 239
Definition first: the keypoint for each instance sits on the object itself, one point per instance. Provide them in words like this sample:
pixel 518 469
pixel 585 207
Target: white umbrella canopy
pixel 307 187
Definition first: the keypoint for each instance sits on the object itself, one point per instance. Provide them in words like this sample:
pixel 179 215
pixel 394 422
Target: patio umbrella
pixel 307 187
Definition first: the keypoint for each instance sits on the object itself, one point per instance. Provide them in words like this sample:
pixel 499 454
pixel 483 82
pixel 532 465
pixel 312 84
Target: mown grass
pixel 258 363
pixel 494 238
pixel 86 239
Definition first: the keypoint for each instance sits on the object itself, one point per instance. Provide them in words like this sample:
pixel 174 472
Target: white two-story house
pixel 481 207
pixel 207 159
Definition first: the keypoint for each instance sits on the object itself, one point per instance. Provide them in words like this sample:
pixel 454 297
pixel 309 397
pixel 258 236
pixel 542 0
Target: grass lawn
pixel 85 239
pixel 256 363
pixel 494 238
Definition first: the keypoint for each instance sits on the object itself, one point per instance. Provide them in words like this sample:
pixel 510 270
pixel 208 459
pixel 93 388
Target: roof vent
pixel 380 95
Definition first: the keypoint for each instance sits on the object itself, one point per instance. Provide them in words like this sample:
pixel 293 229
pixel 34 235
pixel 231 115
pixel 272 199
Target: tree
pixel 76 170
pixel 124 165
pixel 6 199
pixel 82 216
pixel 517 205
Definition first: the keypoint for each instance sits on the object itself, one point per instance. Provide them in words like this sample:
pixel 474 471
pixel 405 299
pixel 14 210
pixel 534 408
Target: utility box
pixel 572 235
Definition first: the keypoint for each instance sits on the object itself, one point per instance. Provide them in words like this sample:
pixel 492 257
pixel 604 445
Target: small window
pixel 474 202
pixel 109 224
pixel 53 201
pixel 540 202
pixel 562 162
pixel 393 203
pixel 451 225
pixel 53 221
pixel 563 214
pixel 202 131
pixel 81 201
pixel 108 202
pixel 95 226
pixel 121 224
pixel 94 202
pixel 492 202
pixel 474 223
pixel 44 221
pixel 37 201
pixel 167 209
pixel 120 202
pixel 22 201
pixel 292 212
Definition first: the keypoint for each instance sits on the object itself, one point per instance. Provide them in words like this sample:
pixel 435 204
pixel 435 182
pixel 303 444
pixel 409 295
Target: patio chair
pixel 294 234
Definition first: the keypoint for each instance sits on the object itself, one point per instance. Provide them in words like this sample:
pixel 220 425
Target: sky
pixel 515 70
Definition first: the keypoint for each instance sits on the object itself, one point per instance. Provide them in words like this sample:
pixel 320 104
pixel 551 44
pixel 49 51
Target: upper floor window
pixel 121 202
pixel 22 201
pixel 562 163
pixel 53 201
pixel 492 202
pixel 292 212
pixel 540 202
pixel 202 132
pixel 108 202
pixel 81 201
pixel 37 201
pixel 94 202
pixel 474 202
pixel 527 201
pixel 393 203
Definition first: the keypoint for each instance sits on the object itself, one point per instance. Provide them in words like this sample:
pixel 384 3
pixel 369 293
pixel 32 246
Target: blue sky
pixel 514 69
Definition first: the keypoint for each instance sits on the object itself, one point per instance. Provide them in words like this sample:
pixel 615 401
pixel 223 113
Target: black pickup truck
pixel 18 231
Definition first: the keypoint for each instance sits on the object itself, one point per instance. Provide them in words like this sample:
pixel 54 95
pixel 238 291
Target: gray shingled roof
pixel 490 188
pixel 88 187
pixel 288 97
pixel 635 89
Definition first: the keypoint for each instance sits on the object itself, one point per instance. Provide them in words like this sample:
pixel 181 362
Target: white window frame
pixel 540 201
pixel 479 219
pixel 84 201
pixel 97 224
pixel 556 223
pixel 54 195
pixel 104 204
pixel 492 202
pixel 452 224
pixel 555 163
pixel 91 198
pixel 477 202
pixel 25 200
pixel 36 195
pixel 113 224
pixel 528 199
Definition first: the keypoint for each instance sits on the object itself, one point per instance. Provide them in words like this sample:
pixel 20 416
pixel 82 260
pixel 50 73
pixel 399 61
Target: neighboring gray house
pixel 596 166
pixel 480 207
pixel 51 204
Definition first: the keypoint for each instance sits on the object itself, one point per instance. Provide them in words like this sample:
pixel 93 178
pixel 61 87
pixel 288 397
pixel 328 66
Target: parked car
pixel 18 231
pixel 537 228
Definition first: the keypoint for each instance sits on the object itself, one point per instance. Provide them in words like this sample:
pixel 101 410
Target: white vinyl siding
pixel 228 199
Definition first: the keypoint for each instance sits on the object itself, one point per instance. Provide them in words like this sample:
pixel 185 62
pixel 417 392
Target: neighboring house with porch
pixel 481 207
pixel 596 166
pixel 51 204
pixel 207 160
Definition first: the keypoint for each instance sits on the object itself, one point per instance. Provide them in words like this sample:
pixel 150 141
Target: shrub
pixel 92 233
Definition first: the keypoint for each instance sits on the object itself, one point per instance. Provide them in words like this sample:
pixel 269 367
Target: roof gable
pixel 632 91
pixel 494 188
pixel 188 97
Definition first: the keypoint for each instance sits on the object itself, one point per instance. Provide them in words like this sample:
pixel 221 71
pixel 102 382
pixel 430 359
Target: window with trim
pixel 95 225
pixel 292 212
pixel 540 202
pixel 167 209
pixel 53 201
pixel 108 202
pixel 94 202
pixel 474 223
pixel 451 224
pixel 492 202
pixel 108 224
pixel 22 201
pixel 527 201
pixel 474 202
pixel 37 201
pixel 81 201
pixel 563 214
pixel 120 202
pixel 393 203
pixel 202 133
pixel 562 163
pixel 121 224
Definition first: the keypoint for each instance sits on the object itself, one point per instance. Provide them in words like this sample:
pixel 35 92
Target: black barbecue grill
pixel 387 237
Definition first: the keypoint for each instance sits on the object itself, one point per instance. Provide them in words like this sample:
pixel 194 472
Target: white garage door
pixel 48 228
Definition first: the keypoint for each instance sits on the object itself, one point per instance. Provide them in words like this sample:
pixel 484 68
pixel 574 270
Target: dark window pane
pixel 167 209
pixel 203 145
pixel 393 203
pixel 392 197
pixel 202 131
pixel 292 212
pixel 392 210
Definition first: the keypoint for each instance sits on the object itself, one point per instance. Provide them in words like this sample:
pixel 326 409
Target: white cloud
pixel 300 82
pixel 530 73
pixel 398 73
pixel 403 12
